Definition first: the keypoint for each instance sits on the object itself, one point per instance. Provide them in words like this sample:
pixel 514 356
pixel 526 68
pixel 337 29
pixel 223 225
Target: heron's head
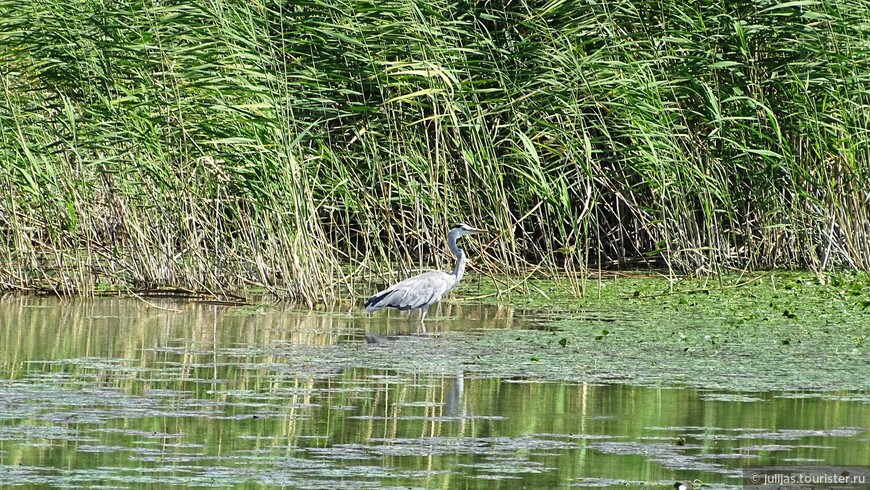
pixel 462 229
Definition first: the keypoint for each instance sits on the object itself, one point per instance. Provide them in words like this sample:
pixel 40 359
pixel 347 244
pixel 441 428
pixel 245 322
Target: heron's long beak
pixel 479 231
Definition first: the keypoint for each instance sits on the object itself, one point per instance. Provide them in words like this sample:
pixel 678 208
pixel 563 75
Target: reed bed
pixel 296 146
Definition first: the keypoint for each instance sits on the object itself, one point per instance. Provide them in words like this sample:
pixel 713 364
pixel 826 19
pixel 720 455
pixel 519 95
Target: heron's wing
pixel 414 292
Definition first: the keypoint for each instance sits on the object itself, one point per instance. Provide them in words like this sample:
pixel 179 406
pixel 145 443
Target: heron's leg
pixel 423 310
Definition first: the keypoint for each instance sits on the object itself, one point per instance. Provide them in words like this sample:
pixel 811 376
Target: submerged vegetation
pixel 223 144
pixel 608 393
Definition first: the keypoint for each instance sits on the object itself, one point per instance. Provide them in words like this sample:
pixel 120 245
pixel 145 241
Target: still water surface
pixel 117 393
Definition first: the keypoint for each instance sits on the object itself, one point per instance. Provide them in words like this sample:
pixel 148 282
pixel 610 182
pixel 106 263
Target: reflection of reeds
pixel 231 388
pixel 177 370
pixel 223 145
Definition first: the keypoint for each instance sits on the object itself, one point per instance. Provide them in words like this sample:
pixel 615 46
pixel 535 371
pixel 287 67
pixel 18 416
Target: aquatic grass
pixel 305 148
pixel 177 168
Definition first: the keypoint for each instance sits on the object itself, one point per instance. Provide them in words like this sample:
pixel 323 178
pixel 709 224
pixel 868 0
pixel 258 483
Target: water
pixel 119 393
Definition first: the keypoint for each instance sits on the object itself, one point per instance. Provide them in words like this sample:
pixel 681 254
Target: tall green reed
pixel 299 145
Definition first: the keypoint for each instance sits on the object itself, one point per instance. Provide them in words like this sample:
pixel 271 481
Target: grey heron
pixel 426 289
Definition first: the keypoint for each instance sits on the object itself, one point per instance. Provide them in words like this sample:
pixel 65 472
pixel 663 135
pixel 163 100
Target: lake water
pixel 120 393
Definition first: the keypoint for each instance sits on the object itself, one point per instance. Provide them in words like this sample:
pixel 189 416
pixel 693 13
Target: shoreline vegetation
pixel 301 146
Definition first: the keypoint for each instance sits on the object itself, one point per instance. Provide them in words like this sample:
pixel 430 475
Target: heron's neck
pixel 459 268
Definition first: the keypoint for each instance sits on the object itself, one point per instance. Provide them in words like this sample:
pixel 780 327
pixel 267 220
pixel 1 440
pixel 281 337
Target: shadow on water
pixel 117 393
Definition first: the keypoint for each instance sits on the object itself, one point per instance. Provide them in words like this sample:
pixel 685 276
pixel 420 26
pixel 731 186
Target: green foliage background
pixel 295 145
